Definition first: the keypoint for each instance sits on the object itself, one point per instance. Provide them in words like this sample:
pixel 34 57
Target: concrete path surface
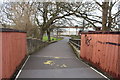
pixel 57 60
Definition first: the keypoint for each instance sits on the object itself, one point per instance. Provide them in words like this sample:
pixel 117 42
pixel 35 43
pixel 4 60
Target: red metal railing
pixel 12 51
pixel 102 50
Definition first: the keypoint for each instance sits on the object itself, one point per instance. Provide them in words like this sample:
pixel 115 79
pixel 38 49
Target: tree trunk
pixel 41 34
pixel 57 33
pixel 109 23
pixel 104 16
pixel 48 34
pixel 110 17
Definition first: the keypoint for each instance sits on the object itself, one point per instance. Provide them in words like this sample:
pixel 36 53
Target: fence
pixel 102 50
pixel 13 51
pixel 75 42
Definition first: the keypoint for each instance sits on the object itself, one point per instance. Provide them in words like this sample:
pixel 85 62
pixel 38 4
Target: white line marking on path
pixel 96 71
pixel 22 68
pixel 100 73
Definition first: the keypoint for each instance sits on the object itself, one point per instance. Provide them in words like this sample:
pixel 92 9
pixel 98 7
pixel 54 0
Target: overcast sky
pixel 114 10
pixel 1 1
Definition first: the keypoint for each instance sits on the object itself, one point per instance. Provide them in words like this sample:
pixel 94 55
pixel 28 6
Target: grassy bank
pixel 45 38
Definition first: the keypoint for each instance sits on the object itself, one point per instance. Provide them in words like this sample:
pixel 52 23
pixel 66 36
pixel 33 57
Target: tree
pixel 49 13
pixel 84 10
pixel 19 15
pixel 87 11
pixel 33 17
pixel 107 16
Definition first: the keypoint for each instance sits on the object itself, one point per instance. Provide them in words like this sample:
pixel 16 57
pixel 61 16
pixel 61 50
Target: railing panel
pixel 13 51
pixel 102 51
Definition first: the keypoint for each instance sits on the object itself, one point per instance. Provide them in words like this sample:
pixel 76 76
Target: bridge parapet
pixel 102 50
pixel 12 51
pixel 14 48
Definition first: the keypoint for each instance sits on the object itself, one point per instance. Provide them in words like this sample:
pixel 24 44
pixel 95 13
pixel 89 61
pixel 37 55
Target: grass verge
pixel 45 38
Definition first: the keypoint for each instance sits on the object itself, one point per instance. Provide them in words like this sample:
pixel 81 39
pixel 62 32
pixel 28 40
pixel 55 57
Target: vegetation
pixel 106 18
pixel 45 38
pixel 38 18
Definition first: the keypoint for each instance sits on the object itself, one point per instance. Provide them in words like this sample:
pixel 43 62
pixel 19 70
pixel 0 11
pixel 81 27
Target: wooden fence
pixel 102 50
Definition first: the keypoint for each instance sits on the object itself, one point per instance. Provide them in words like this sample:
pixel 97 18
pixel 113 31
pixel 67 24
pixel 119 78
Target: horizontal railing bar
pixel 75 44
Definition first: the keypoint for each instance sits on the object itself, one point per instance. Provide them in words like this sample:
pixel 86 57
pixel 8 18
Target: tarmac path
pixel 57 60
